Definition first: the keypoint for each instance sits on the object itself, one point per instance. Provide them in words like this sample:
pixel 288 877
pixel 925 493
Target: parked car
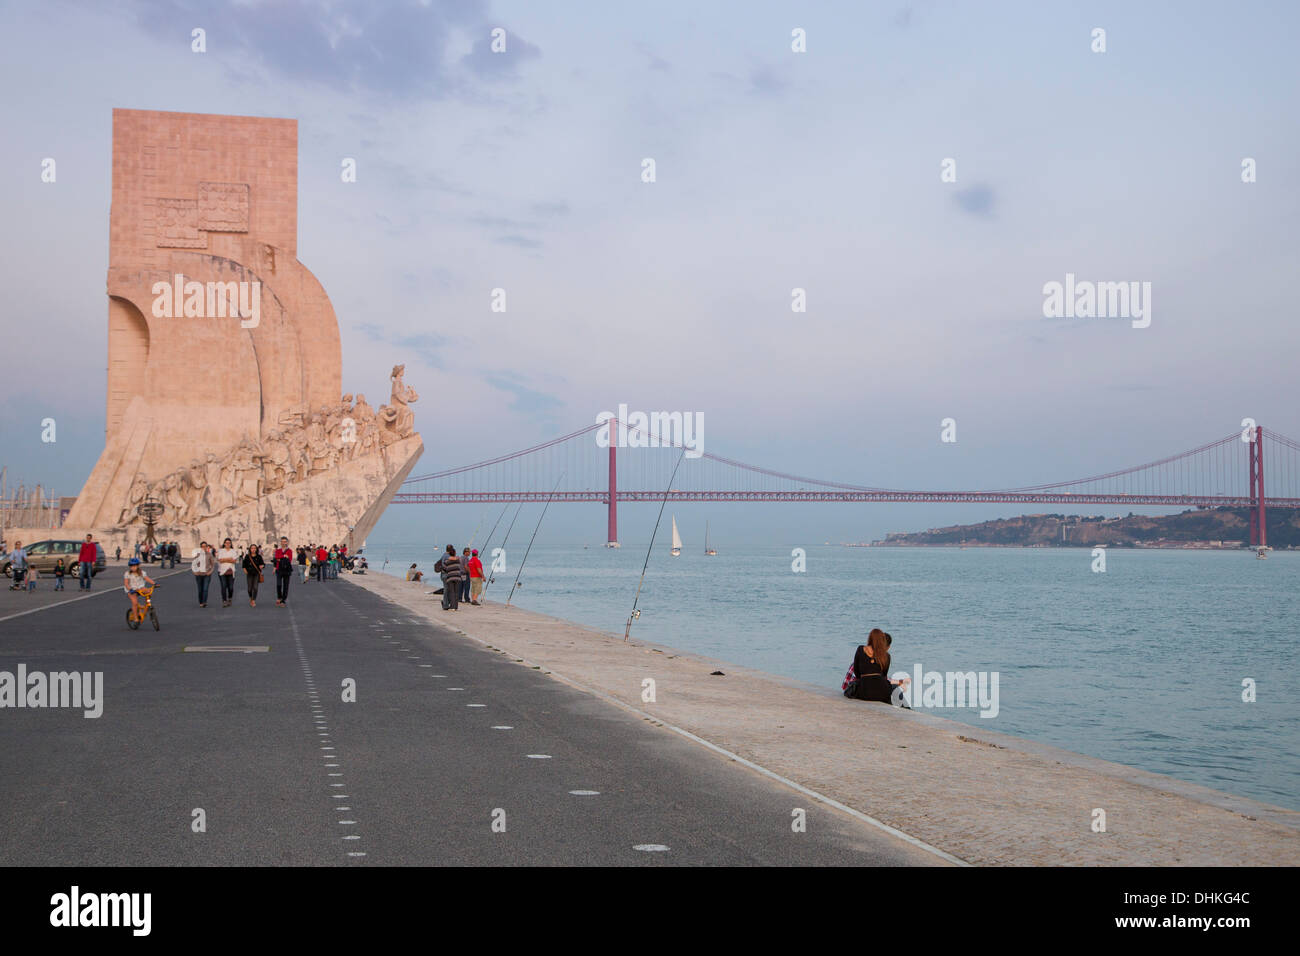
pixel 42 556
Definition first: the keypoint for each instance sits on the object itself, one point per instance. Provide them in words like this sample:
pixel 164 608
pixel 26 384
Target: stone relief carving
pixel 184 223
pixel 305 443
pixel 223 207
pixel 177 224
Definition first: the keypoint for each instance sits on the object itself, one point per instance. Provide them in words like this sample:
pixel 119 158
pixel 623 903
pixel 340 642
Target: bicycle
pixel 134 619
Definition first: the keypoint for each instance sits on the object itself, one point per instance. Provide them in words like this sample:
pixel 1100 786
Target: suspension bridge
pixel 585 466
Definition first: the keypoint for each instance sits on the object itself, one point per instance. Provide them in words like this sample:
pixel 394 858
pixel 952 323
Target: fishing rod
pixel 477 528
pixel 492 574
pixel 493 532
pixel 635 613
pixel 530 540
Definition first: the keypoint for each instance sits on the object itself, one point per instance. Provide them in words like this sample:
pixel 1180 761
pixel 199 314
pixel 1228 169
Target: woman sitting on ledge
pixel 870 673
pixel 413 575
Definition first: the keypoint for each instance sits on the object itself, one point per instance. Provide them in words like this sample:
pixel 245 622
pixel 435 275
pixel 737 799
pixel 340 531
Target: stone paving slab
pixel 984 797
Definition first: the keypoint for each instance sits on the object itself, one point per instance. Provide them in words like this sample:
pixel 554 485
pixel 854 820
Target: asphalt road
pixel 451 754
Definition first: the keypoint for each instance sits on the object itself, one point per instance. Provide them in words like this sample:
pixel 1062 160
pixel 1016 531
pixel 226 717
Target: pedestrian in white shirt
pixel 202 564
pixel 227 558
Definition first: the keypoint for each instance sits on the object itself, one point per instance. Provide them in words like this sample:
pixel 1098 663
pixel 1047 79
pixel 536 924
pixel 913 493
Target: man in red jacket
pixel 475 567
pixel 321 557
pixel 86 559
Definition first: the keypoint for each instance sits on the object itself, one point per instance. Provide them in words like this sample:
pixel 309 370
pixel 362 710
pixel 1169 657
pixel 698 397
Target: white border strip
pixel 85 597
pixel 807 791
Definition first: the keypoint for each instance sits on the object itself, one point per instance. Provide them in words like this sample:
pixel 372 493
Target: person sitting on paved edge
pixel 868 677
pixel 412 574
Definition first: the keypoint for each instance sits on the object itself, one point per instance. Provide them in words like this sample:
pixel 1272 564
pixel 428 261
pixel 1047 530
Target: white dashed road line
pixel 322 731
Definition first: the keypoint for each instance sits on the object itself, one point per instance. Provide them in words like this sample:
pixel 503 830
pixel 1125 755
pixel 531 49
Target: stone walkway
pixel 983 797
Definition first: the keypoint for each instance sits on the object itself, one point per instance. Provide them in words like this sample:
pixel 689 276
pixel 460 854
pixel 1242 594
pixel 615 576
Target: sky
pixel 774 170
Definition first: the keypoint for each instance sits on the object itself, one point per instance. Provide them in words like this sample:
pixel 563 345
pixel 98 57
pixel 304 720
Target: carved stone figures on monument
pixel 232 421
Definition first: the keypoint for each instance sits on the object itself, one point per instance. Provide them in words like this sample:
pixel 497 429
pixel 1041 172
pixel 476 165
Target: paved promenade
pixel 981 796
pixel 445 739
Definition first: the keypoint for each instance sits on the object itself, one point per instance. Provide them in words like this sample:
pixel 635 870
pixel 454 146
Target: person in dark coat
pixel 452 576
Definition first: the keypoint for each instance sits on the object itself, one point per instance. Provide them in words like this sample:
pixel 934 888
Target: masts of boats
pixel 707 549
pixel 677 539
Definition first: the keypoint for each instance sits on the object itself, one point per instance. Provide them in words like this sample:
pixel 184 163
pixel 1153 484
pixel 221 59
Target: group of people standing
pixel 462 577
pixel 164 552
pixel 25 576
pixel 322 563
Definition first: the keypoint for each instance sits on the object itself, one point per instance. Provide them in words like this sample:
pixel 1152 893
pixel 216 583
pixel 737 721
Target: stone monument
pixel 225 399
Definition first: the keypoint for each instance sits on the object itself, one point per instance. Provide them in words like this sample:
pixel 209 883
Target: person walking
pixel 283 561
pixel 475 569
pixel 253 565
pixel 86 559
pixel 321 557
pixel 202 565
pixel 452 575
pixel 227 558
pixel 18 566
pixel 464 565
pixel 59 572
pixel 118 555
pixel 302 563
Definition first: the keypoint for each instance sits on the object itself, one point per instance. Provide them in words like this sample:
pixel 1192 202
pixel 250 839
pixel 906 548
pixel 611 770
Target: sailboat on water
pixel 677 540
pixel 707 549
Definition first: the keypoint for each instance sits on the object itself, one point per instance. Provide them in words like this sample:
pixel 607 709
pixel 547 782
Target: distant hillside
pixel 1200 528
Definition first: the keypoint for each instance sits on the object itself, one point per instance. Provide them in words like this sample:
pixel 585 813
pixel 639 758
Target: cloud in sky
pixel 427 346
pixel 498 58
pixel 977 200
pixel 522 242
pixel 653 60
pixel 527 401
pixel 402 50
pixel 766 80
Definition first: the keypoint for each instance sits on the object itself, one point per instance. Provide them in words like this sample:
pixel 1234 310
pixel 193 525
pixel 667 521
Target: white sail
pixel 677 538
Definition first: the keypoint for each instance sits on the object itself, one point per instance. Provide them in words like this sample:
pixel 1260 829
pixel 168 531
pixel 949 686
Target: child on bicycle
pixel 133 581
